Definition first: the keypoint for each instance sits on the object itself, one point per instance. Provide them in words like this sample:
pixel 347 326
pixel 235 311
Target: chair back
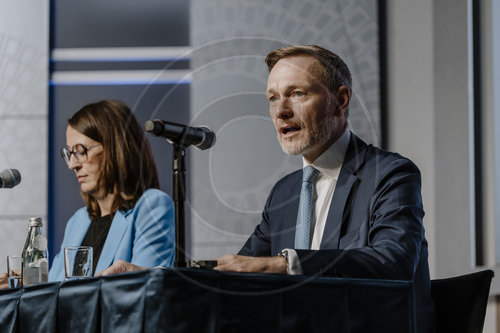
pixel 460 302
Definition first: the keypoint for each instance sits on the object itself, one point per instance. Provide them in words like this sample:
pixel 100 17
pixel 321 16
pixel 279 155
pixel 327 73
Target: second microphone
pixel 201 137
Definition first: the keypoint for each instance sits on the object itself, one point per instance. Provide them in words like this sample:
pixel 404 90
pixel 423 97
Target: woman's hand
pixel 4 280
pixel 120 266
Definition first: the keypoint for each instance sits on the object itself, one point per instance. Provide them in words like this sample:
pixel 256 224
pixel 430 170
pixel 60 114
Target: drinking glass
pixel 14 264
pixel 77 262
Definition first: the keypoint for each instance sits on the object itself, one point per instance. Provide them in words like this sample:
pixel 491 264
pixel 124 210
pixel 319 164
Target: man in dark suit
pixel 365 219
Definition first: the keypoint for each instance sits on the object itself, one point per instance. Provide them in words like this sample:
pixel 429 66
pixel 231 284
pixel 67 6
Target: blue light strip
pixel 53 83
pixel 120 60
pixel 121 54
pixel 120 78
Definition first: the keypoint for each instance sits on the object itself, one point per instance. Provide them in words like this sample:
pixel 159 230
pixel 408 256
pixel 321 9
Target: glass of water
pixel 77 262
pixel 14 264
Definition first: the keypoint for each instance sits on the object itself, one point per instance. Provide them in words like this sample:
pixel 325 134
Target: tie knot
pixel 309 173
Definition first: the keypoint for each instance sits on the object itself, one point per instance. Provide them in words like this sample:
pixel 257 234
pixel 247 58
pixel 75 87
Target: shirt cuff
pixel 294 267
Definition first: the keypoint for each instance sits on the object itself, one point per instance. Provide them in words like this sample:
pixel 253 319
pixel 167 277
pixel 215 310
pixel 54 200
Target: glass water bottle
pixel 35 255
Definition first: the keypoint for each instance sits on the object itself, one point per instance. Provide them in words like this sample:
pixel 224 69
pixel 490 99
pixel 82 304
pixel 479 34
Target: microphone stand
pixel 179 189
pixel 178 135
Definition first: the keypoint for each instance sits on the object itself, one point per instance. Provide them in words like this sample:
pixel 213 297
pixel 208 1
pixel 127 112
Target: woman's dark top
pixel 96 236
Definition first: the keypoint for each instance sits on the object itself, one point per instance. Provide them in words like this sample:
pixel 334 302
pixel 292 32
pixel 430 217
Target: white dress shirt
pixel 329 164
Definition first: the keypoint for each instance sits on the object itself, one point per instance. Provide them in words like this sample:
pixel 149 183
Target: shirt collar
pixel 330 161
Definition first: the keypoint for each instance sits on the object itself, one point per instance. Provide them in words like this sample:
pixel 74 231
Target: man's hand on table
pixel 229 262
pixel 121 266
pixel 237 263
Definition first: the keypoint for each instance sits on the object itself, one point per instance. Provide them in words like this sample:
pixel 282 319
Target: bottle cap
pixel 35 222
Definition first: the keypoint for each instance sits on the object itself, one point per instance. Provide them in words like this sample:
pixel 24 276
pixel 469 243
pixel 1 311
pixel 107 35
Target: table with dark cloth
pixel 194 300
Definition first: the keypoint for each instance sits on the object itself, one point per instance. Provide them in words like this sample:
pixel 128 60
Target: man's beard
pixel 315 138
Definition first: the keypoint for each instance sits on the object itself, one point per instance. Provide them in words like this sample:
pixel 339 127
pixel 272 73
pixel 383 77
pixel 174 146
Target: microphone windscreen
pixel 9 178
pixel 154 126
pixel 208 140
pixel 149 126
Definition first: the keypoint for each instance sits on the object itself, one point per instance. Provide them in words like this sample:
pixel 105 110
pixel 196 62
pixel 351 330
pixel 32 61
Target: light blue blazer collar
pixel 116 232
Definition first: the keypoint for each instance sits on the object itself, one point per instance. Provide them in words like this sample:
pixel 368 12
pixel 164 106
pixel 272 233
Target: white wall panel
pixel 24 33
pixel 230 39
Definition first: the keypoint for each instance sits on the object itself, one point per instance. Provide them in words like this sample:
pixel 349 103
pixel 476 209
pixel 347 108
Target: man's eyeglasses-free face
pixel 79 151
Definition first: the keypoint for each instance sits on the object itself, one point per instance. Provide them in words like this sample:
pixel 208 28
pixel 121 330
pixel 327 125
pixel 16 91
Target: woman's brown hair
pixel 128 163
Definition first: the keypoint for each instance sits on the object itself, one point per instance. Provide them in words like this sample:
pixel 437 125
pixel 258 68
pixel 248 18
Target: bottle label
pixel 31 275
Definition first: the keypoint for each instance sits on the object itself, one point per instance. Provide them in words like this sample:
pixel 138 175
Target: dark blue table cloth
pixel 192 300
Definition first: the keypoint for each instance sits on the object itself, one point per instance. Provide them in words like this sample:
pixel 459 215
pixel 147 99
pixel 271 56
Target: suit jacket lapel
pixel 118 227
pixel 355 157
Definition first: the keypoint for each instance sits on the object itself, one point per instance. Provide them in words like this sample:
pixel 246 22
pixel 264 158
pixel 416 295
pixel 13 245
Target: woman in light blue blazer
pixel 126 217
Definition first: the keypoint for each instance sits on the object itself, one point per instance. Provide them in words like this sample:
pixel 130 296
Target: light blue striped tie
pixel 303 226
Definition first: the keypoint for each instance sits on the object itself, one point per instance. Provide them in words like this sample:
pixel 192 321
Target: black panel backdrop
pixel 119 23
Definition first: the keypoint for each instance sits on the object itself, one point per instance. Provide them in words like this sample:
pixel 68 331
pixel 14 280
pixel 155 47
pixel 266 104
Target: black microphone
pixel 201 137
pixel 9 178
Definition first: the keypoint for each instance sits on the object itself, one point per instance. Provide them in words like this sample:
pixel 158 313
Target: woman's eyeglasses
pixel 79 150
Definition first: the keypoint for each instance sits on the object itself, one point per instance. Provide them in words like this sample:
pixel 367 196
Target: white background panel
pixel 24 147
